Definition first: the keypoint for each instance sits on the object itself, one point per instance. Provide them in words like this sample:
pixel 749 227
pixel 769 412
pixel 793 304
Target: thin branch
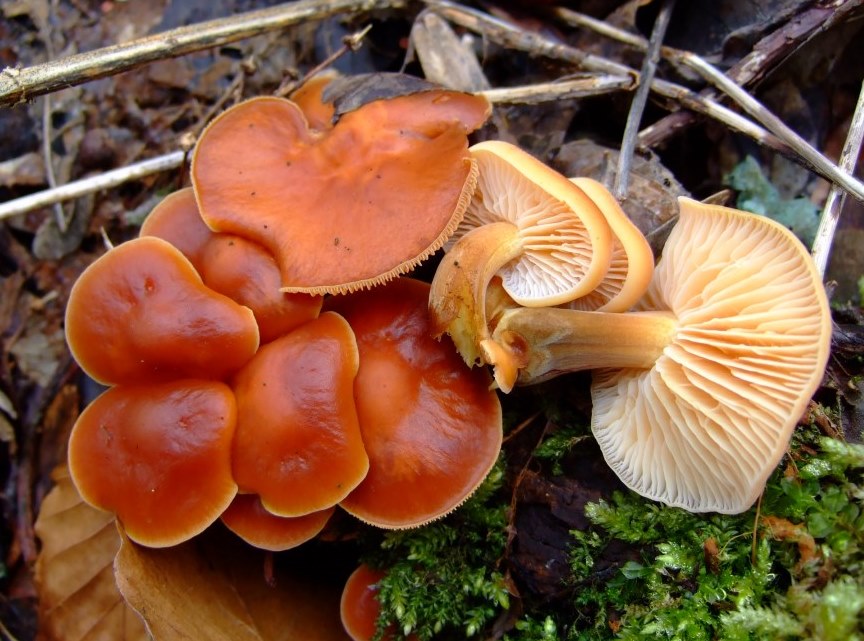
pixel 17 85
pixel 773 124
pixel 48 159
pixel 787 141
pixel 509 35
pixel 90 185
pixel 559 90
pixel 834 203
pixel 640 99
pixel 351 42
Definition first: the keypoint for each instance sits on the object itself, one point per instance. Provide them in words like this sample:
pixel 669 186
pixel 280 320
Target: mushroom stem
pixel 457 300
pixel 545 342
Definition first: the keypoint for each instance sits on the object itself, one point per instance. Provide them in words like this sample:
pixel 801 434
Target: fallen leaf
pixel 78 597
pixel 214 588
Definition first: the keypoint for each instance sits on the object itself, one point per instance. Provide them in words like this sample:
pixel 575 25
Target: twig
pixel 59 215
pixel 18 85
pixel 90 185
pixel 351 42
pixel 640 99
pixel 747 70
pixel 592 85
pixel 509 35
pixel 834 202
pixel 767 54
pixel 773 124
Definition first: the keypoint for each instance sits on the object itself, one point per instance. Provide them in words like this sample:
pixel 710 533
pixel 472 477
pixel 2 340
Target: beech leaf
pixel 213 588
pixel 78 597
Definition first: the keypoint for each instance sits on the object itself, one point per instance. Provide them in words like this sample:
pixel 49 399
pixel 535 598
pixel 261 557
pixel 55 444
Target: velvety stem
pixel 547 342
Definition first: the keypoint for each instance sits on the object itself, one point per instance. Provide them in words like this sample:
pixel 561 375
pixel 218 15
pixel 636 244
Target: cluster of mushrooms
pixel 267 359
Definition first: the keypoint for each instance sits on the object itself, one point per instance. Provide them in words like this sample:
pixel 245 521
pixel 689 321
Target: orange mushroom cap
pixel 298 442
pixel 238 268
pixel 140 313
pixel 176 219
pixel 359 607
pixel 249 519
pixel 430 424
pixel 348 207
pixel 159 456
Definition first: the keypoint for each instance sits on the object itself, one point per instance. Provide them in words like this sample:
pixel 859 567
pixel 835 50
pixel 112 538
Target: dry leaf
pixel 213 588
pixel 78 597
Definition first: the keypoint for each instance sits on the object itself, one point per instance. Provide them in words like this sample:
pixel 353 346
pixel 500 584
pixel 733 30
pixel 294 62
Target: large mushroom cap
pixel 431 425
pixel 159 456
pixel 298 443
pixel 347 207
pixel 705 427
pixel 141 313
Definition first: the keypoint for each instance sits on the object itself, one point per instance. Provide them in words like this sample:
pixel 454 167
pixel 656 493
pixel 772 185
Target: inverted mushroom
pixel 231 265
pixel 430 425
pixel 631 264
pixel 298 443
pixel 159 456
pixel 346 207
pixel 545 238
pixel 140 313
pixel 701 389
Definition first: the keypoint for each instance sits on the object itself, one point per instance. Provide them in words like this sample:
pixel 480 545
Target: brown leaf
pixel 213 588
pixel 78 597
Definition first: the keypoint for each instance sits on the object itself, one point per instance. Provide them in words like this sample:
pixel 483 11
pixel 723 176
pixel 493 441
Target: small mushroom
pixel 298 443
pixel 231 265
pixel 140 313
pixel 249 519
pixel 701 389
pixel 359 607
pixel 545 238
pixel 346 207
pixel 431 426
pixel 159 456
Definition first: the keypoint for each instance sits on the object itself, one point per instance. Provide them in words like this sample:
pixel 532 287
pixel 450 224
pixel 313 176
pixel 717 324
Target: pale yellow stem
pixel 542 343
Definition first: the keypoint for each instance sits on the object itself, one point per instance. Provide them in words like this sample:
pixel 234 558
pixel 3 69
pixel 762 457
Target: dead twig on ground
pixel 834 202
pixel 640 99
pixel 729 84
pixel 17 85
pixel 92 184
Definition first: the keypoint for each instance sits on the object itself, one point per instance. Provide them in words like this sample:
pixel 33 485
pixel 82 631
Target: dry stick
pixel 834 202
pixel 640 99
pixel 773 124
pixel 85 186
pixel 17 85
pixel 47 158
pixel 351 42
pixel 801 148
pixel 549 92
pixel 766 55
pixel 509 35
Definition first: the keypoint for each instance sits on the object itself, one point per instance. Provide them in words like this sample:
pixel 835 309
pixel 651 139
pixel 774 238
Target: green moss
pixel 712 577
pixel 443 579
